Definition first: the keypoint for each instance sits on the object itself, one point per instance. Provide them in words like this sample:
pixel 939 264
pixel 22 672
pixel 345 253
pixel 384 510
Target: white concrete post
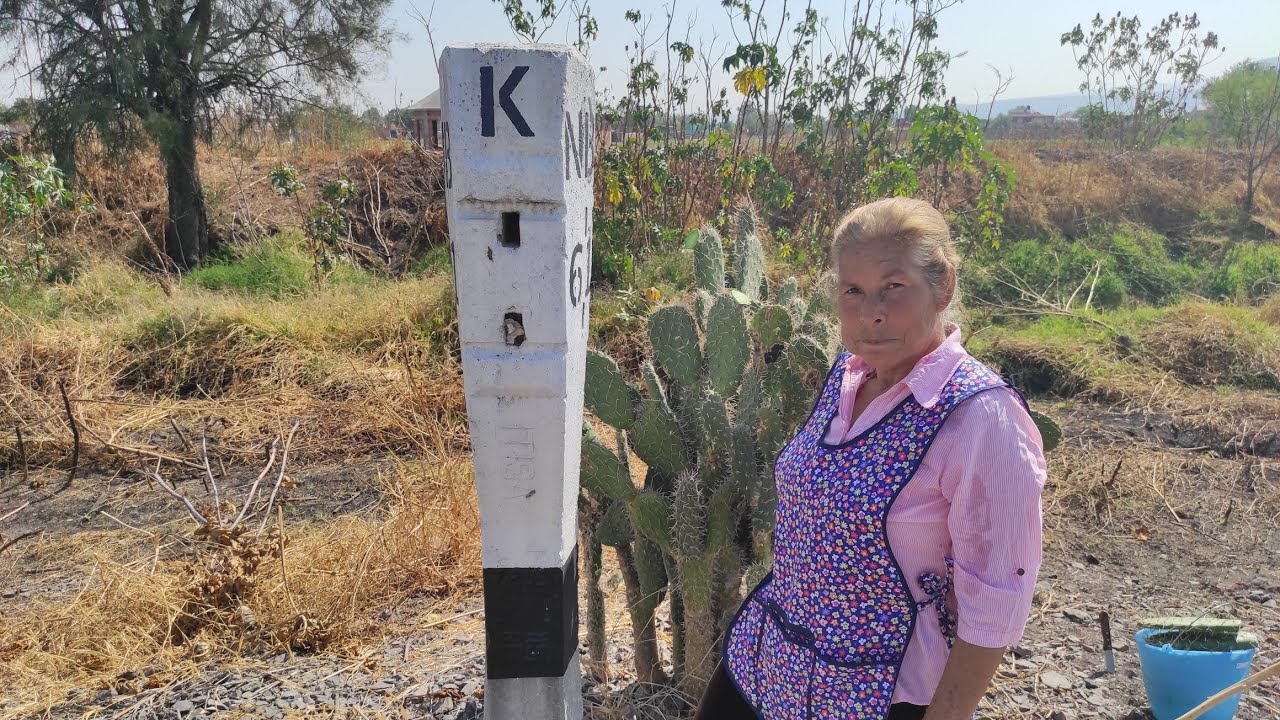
pixel 519 143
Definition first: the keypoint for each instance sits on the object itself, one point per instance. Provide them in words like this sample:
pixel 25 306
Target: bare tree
pixel 1002 86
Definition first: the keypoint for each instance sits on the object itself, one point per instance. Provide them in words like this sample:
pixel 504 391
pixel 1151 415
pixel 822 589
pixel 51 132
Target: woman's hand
pixel 964 680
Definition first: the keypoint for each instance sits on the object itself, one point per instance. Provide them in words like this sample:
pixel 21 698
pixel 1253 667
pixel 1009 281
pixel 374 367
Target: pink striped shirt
pixel 976 497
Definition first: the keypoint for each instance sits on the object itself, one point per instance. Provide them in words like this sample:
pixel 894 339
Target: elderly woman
pixel 908 529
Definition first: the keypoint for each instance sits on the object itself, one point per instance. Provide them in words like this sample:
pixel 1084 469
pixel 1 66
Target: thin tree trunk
pixel 187 234
pixel 1250 189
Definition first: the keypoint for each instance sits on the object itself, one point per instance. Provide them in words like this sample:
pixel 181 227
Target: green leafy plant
pixel 325 226
pixel 31 189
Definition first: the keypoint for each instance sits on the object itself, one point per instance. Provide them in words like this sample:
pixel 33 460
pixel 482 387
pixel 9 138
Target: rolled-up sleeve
pixel 994 482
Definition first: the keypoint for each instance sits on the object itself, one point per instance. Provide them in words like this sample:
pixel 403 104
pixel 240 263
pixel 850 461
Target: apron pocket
pixel 785 671
pixel 863 692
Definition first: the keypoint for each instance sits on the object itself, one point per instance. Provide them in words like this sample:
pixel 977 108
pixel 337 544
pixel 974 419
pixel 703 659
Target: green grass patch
pixel 1107 270
pixel 1200 344
pixel 1250 271
pixel 278 267
pixel 435 260
pixel 28 301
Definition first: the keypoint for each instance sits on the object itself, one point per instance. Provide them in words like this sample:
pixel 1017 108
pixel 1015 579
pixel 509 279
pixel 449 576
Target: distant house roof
pixel 430 102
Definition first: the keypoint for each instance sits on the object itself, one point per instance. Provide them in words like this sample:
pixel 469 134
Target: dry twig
pixel 20 538
pixel 75 435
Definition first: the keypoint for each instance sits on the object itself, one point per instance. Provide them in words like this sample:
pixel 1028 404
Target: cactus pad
pixel 799 309
pixel 1050 433
pixel 607 394
pixel 652 518
pixel 789 289
pixel 702 302
pixel 717 433
pixel 708 261
pixel 773 324
pixel 774 432
pixel 728 345
pixel 688 517
pixel 822 297
pixel 721 521
pixel 756 573
pixel 615 526
pixel 656 439
pixel 821 330
pixel 810 358
pixel 603 473
pixel 675 343
pixel 750 396
pixel 750 266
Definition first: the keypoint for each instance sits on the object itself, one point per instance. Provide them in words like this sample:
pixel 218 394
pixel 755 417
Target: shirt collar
pixel 931 372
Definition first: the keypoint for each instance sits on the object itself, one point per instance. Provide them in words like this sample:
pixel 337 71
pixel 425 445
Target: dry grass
pixel 1270 311
pixel 1072 188
pixel 127 615
pixel 1213 345
pixel 366 369
pixel 368 372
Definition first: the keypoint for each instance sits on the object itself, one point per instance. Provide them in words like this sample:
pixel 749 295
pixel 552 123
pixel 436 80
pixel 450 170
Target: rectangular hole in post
pixel 510 236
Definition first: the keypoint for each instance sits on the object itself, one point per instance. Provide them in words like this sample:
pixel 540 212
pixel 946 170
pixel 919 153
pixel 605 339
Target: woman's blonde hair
pixel 908 222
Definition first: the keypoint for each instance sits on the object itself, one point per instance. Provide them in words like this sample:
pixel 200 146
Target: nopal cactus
pixel 725 385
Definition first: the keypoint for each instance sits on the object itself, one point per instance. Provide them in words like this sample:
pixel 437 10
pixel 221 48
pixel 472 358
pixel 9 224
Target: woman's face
pixel 889 314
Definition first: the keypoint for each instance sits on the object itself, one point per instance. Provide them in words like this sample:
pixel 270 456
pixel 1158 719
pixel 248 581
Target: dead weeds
pixel 147 605
pixel 152 378
pixel 373 373
pixel 1072 188
pixel 1213 346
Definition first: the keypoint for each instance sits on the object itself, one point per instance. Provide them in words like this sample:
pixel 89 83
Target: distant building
pixel 1024 115
pixel 426 121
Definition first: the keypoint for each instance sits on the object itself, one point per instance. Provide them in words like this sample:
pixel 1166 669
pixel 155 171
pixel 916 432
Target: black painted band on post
pixel 531 620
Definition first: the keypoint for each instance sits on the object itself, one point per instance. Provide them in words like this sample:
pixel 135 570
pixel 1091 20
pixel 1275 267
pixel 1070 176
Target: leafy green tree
pixel 1140 83
pixel 1246 110
pixel 400 117
pixel 21 111
pixel 139 70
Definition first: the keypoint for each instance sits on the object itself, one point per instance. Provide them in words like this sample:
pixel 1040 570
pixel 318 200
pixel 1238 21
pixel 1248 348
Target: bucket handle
pixel 1248 682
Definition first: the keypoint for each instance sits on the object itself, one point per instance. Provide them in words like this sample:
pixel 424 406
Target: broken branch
pixel 75 436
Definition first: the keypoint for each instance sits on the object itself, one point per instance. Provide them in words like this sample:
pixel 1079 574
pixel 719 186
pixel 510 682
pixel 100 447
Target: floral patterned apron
pixel 824 634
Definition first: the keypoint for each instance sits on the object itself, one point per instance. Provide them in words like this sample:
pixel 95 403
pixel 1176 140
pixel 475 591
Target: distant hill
pixel 1056 104
pixel 1047 104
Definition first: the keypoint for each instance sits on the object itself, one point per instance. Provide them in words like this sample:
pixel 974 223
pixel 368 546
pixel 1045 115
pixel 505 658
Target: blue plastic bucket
pixel 1179 680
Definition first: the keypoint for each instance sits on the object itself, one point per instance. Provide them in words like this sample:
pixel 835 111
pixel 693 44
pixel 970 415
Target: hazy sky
pixel 1018 36
pixel 1021 36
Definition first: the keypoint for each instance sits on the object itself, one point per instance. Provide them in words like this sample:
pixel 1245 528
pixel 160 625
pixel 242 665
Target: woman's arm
pixel 965 679
pixel 995 525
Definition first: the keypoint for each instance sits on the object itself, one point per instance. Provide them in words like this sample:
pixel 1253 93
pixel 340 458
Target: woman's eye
pixel 895 286
pixel 852 291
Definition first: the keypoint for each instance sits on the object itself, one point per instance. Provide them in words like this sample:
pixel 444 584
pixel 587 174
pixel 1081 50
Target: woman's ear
pixel 948 289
